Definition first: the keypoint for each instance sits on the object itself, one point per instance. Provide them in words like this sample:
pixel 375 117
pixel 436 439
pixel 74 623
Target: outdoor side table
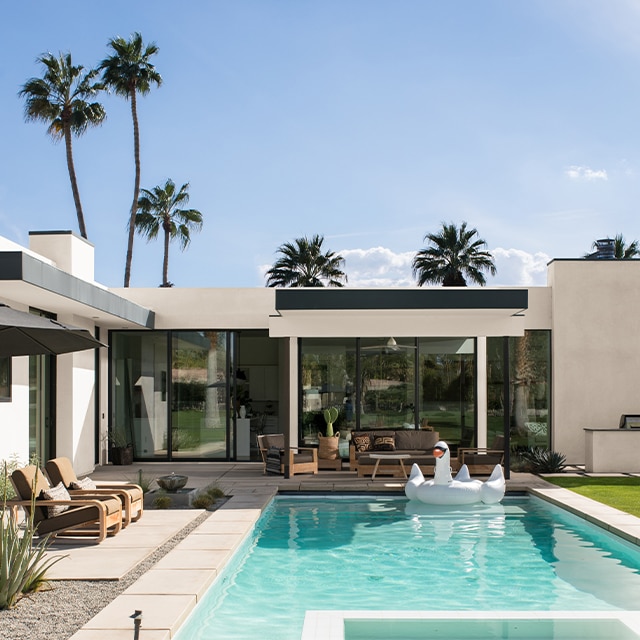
pixel 400 457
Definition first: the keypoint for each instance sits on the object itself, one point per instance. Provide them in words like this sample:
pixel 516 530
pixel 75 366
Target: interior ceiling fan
pixel 390 346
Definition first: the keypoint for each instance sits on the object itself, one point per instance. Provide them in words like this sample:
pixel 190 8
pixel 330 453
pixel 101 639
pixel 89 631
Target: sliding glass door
pixel 172 395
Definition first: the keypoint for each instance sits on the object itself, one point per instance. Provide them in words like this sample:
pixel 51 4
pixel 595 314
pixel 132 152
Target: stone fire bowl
pixel 172 483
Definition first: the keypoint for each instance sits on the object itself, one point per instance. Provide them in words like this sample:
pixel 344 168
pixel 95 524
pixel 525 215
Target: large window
pixel 447 389
pixel 201 394
pixel 171 394
pixel 379 383
pixel 525 388
pixel 387 383
pixel 328 373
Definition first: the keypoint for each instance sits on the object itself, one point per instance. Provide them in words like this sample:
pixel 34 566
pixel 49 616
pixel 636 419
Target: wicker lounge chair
pixel 77 516
pixel 299 459
pixel 131 495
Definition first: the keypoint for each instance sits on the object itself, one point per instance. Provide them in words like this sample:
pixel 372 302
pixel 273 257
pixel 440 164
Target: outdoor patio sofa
pixel 87 515
pixel 417 443
pixel 131 495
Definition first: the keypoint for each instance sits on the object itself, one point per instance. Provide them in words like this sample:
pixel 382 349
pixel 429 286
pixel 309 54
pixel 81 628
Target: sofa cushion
pixel 416 439
pixel 384 443
pixel 362 442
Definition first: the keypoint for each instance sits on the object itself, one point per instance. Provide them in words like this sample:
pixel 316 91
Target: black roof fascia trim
pixel 389 299
pixel 16 265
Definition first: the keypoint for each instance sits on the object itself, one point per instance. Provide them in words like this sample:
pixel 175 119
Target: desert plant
pixel 163 501
pixel 119 439
pixel 330 416
pixel 543 460
pixel 144 481
pixel 23 566
pixel 202 501
pixel 214 491
pixel 9 466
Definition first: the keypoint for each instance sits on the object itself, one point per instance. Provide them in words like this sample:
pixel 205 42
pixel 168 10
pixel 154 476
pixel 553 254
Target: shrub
pixel 23 566
pixel 9 466
pixel 544 460
pixel 144 481
pixel 202 501
pixel 162 501
pixel 214 491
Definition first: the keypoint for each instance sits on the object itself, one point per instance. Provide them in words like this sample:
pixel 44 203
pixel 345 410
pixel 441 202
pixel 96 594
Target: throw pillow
pixel 384 443
pixel 273 461
pixel 59 492
pixel 361 442
pixel 84 483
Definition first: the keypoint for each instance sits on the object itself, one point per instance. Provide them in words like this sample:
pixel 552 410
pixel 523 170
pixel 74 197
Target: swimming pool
pixel 385 553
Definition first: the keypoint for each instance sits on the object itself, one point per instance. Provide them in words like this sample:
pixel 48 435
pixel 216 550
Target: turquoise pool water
pixel 387 553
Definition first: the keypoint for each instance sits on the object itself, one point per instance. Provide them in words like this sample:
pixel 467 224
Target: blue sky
pixel 367 121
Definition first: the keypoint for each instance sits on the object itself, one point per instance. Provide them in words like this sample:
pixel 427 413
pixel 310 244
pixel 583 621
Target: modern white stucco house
pixel 548 366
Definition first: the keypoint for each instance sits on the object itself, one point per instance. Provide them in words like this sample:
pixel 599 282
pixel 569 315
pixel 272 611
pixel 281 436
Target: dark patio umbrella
pixel 25 334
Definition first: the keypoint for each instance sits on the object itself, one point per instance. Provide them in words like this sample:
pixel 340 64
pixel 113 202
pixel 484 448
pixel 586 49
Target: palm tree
pixel 129 72
pixel 453 256
pixel 159 210
pixel 302 264
pixel 621 250
pixel 60 98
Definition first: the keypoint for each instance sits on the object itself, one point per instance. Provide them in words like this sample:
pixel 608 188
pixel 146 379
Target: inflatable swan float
pixel 444 489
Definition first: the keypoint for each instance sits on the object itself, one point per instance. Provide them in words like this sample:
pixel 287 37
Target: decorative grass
pixel 619 492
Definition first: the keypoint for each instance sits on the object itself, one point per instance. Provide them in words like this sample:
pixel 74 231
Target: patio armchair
pixel 299 459
pixel 96 516
pixel 131 495
pixel 482 460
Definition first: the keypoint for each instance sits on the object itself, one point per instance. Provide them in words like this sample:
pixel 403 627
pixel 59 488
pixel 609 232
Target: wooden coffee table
pixel 400 457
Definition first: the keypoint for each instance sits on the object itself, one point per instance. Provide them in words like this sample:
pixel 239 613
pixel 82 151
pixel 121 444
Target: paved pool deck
pixel 168 592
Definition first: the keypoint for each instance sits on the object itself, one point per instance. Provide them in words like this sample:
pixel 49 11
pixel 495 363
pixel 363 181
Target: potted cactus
pixel 330 416
pixel 328 445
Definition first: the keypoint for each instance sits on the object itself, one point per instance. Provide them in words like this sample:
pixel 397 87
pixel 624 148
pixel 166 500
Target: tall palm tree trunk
pixel 165 261
pixel 74 182
pixel 136 188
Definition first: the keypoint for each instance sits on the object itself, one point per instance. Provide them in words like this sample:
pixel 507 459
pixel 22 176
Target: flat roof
pixel 31 281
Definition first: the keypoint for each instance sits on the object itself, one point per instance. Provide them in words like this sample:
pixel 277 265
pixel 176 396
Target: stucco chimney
pixel 69 252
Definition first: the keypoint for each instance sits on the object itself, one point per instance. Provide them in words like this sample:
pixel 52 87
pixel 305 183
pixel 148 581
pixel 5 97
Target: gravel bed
pixel 57 613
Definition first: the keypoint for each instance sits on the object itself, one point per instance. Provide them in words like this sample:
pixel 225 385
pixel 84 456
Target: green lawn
pixel 620 493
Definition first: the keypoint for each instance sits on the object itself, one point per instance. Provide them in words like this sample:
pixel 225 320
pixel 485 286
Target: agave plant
pixel 543 460
pixel 23 566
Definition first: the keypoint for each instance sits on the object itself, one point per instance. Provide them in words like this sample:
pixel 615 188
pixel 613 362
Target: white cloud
pixel 576 172
pixel 517 267
pixel 378 267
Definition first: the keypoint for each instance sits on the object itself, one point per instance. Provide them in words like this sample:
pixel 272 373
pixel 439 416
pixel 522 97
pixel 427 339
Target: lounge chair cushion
pixel 59 492
pixel 273 440
pixel 83 483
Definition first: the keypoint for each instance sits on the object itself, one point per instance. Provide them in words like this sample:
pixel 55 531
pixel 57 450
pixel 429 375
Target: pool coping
pixel 169 591
pixel 330 624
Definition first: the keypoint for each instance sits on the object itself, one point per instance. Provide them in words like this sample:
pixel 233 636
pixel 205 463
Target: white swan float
pixel 445 489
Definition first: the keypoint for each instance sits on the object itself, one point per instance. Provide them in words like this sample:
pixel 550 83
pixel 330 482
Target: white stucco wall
pixel 595 346
pixel 189 308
